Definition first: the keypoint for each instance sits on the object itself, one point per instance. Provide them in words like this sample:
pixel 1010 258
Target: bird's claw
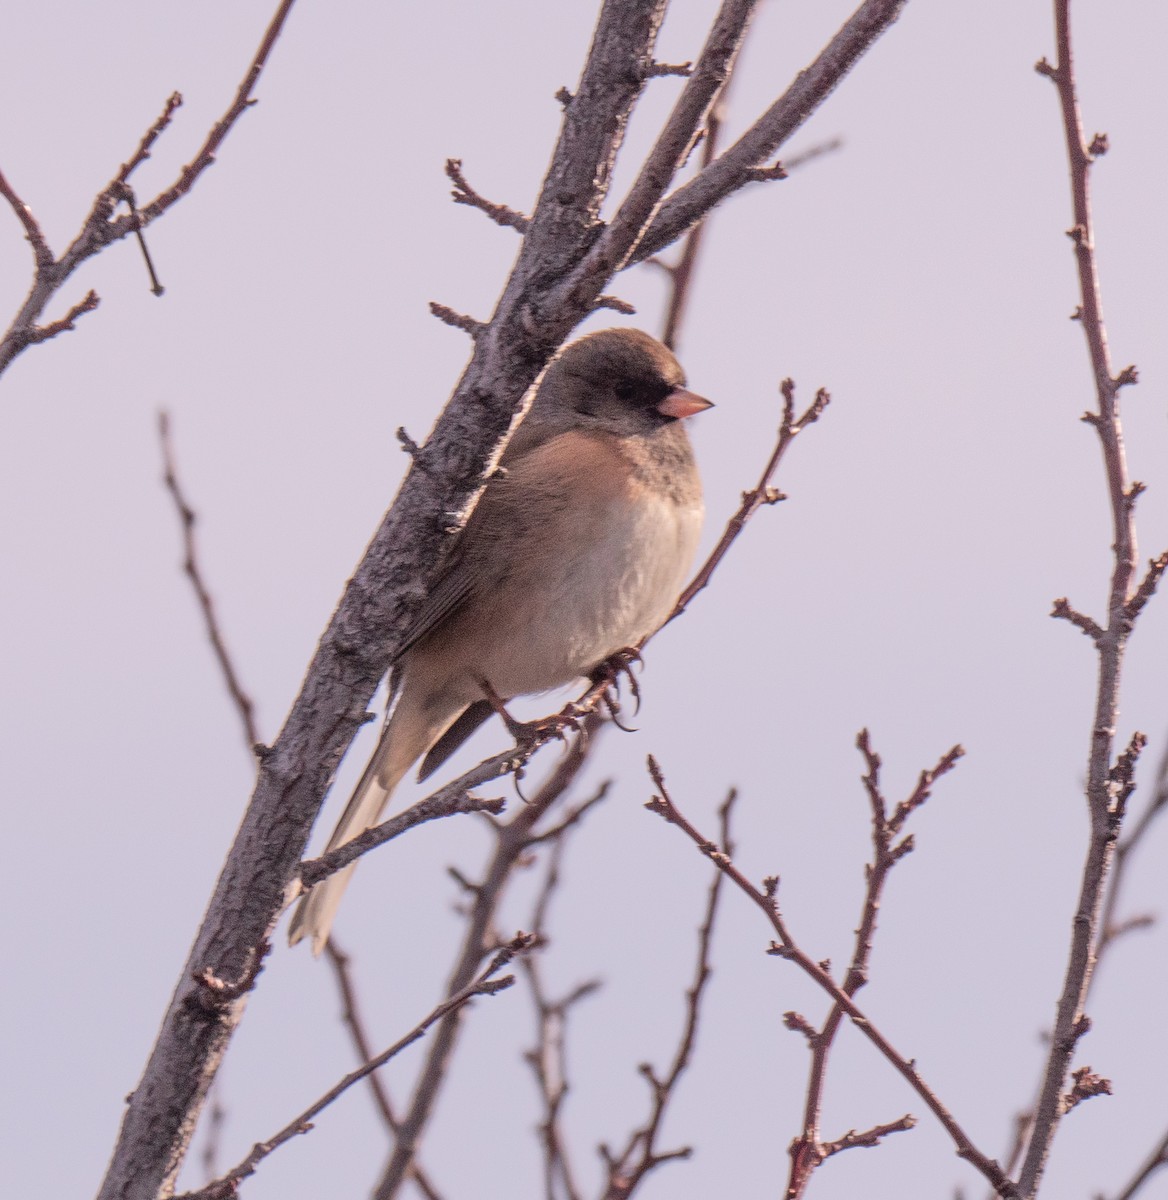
pixel 608 676
pixel 529 735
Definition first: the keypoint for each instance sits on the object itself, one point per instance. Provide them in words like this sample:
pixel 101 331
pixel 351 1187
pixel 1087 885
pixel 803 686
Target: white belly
pixel 620 585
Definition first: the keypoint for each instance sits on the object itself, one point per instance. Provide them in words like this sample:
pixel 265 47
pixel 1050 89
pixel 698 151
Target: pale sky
pixel 921 273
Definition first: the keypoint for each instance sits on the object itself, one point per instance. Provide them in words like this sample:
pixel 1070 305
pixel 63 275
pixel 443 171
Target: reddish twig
pixel 42 256
pixel 681 272
pixel 32 335
pixel 766 899
pixel 1151 1165
pixel 463 193
pixel 868 1137
pixel 341 964
pixel 226 1186
pixel 548 1057
pixel 513 841
pixel 448 801
pixel 640 1155
pixel 188 518
pixel 100 228
pixel 761 494
pixel 1105 802
pixel 807 1151
pixel 219 131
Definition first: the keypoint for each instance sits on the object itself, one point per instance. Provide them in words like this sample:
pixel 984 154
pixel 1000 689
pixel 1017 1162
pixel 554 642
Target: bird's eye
pixel 626 390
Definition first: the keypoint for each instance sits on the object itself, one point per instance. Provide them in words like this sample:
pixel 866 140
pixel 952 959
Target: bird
pixel 578 549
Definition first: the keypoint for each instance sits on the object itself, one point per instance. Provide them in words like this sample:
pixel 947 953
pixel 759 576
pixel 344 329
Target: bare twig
pixel 351 1013
pixel 807 1151
pixel 1151 1165
pixel 210 147
pixel 868 1137
pixel 1111 927
pixel 681 272
pixel 447 801
pixel 547 1058
pixel 486 984
pixel 766 899
pixel 41 254
pixel 100 228
pixel 641 1155
pixel 187 517
pixel 469 325
pixel 761 494
pixel 463 193
pixel 1105 802
pixel 513 841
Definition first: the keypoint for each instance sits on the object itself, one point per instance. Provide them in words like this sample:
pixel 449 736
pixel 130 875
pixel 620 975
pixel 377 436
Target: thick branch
pixel 732 170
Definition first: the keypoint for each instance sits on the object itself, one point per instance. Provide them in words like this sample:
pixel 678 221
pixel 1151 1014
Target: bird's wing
pixel 472 717
pixel 474 563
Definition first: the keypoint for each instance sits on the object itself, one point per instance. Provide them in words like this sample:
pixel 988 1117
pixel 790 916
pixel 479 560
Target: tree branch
pixel 640 1155
pixel 807 1151
pixel 766 899
pixel 547 293
pixel 513 840
pixel 227 1186
pixel 100 228
pixel 731 171
pixel 188 518
pixel 1104 809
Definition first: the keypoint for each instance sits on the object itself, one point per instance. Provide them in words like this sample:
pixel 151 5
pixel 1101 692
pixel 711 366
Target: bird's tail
pixel 402 743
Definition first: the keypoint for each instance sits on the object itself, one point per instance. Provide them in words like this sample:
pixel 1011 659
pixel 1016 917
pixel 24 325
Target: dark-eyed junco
pixel 578 548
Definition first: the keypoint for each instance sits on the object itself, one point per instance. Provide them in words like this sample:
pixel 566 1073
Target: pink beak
pixel 681 403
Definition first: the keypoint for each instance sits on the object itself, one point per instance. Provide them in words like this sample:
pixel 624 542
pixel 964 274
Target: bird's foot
pixel 529 734
pixel 607 677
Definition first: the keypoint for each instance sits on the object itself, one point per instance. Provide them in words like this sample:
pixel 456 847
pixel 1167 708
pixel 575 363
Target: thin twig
pixel 1157 805
pixel 548 1058
pixel 512 842
pixel 188 518
pixel 447 801
pixel 761 494
pixel 341 964
pixel 100 228
pixel 1151 1165
pixel 681 272
pixel 226 1187
pixel 218 134
pixel 463 193
pixel 766 899
pixel 1105 802
pixel 41 254
pixel 640 1155
pixel 807 1151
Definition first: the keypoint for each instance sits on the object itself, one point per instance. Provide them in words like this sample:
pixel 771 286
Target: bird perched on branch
pixel 578 548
